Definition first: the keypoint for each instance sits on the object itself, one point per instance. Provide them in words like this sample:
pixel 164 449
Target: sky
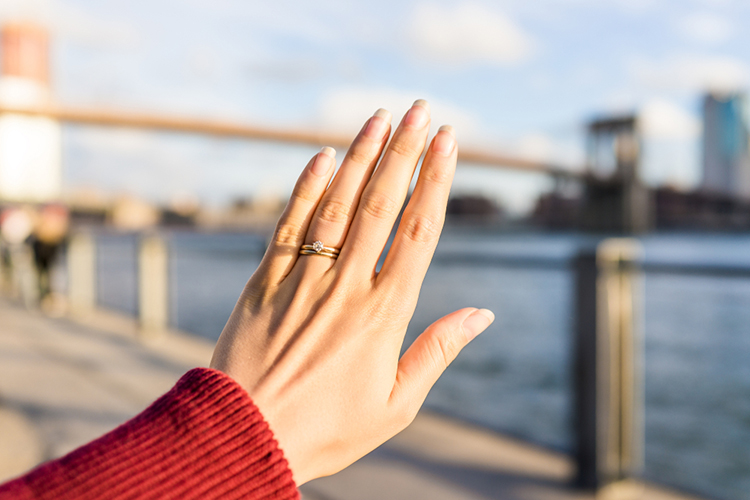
pixel 522 77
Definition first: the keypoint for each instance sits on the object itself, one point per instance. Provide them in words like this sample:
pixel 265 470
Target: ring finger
pixel 335 211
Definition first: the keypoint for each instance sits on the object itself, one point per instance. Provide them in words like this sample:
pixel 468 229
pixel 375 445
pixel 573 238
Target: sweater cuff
pixel 205 438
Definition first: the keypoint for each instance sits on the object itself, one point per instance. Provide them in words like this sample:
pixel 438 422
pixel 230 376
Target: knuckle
pixel 286 234
pixel 436 174
pixel 444 348
pixel 362 154
pixel 379 206
pixel 333 210
pixel 406 148
pixel 421 228
pixel 304 193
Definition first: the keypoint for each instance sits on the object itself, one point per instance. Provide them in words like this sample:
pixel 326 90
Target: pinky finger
pixel 290 231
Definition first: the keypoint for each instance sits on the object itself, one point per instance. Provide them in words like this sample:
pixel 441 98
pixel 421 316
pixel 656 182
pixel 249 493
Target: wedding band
pixel 317 248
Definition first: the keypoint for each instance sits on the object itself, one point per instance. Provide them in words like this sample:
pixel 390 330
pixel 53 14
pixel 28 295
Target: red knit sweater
pixel 203 439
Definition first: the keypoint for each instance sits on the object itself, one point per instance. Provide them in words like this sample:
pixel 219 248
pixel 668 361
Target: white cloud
pixel 159 167
pixel 65 20
pixel 563 150
pixel 692 73
pixel 717 3
pixel 633 6
pixel 662 119
pixel 671 162
pixel 320 22
pixel 346 109
pixel 118 141
pixel 536 146
pixel 670 148
pixel 468 33
pixel 706 28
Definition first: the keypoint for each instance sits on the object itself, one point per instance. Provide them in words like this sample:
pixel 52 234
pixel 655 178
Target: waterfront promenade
pixel 66 381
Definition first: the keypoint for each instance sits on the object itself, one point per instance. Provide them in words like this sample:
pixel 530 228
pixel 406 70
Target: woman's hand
pixel 316 340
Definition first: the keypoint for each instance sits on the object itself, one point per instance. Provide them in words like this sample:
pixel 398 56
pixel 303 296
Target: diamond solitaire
pixel 317 248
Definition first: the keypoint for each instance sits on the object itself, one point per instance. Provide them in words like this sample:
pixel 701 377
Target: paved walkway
pixel 64 382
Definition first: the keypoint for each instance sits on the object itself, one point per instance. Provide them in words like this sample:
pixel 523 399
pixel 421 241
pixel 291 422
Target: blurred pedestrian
pixel 16 226
pixel 49 235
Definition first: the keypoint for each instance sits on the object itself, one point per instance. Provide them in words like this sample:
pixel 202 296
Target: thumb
pixel 432 352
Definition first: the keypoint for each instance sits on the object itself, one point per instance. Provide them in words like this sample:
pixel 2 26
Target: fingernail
pixel 445 140
pixel 423 103
pixel 418 115
pixel 378 124
pixel 322 164
pixel 477 323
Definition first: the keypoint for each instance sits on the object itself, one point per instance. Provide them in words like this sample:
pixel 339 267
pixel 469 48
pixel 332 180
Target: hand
pixel 315 340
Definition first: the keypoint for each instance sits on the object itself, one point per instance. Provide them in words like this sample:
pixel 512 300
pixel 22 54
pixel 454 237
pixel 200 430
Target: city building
pixel 726 156
pixel 30 145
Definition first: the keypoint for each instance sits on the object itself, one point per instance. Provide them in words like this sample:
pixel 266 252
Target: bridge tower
pixel 615 199
pixel 30 146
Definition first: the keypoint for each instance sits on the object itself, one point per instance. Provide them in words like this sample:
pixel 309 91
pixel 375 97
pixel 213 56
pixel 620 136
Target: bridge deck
pixel 231 129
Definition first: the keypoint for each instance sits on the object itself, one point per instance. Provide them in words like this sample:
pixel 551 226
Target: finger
pixel 385 193
pixel 283 250
pixel 336 209
pixel 431 353
pixel 420 226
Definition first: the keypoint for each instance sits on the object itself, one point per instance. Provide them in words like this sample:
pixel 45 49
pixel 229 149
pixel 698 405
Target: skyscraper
pixel 726 157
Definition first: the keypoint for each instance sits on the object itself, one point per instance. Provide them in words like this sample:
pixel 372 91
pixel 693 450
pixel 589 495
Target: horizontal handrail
pixel 532 262
pixel 718 270
pixel 511 261
pixel 514 261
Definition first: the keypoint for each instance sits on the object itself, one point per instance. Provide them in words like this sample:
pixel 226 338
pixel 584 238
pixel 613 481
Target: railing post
pixel 608 382
pixel 153 286
pixel 82 274
pixel 6 277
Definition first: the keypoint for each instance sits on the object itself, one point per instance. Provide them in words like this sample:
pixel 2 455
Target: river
pixel 515 377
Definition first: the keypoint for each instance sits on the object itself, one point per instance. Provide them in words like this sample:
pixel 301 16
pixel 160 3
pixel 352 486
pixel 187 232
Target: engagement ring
pixel 317 248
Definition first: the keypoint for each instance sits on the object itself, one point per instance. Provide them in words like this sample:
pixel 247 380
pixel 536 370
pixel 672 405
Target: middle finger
pixel 335 211
pixel 385 193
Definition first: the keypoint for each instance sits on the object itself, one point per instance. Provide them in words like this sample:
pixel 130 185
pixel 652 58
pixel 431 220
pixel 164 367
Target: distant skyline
pixel 522 77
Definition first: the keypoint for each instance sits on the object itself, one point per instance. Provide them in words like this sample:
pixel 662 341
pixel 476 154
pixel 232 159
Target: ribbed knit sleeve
pixel 203 439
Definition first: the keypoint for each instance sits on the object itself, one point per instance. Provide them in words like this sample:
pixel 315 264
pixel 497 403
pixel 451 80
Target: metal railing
pixel 608 358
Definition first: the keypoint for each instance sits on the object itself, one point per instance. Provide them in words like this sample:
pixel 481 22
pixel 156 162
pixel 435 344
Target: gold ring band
pixel 313 252
pixel 317 248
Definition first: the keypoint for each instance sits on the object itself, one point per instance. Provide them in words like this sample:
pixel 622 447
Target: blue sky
pixel 511 75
